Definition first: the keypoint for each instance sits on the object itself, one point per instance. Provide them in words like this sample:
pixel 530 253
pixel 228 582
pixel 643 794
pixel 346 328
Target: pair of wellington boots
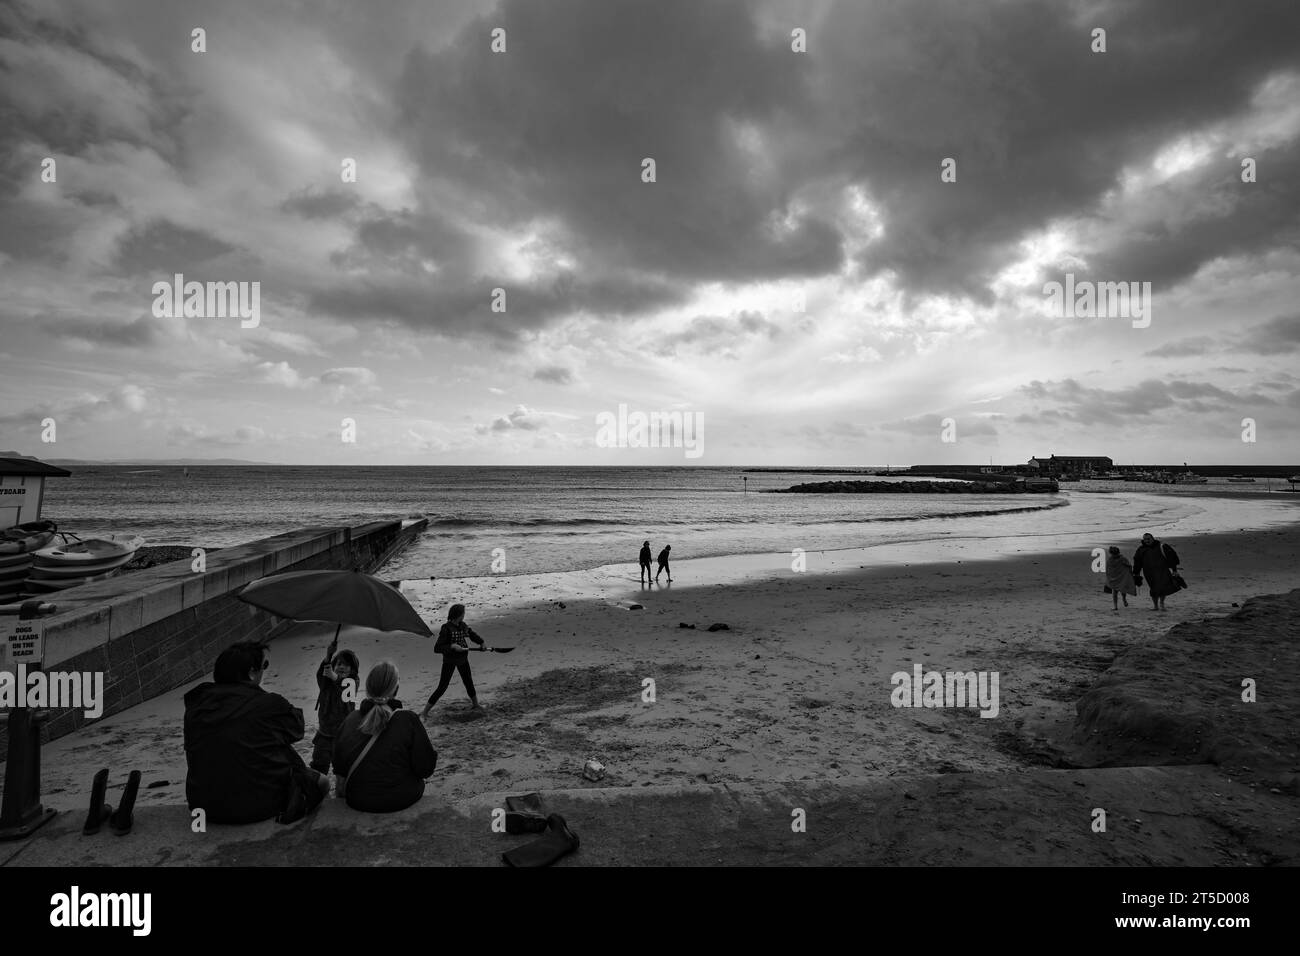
pixel 120 820
pixel 525 815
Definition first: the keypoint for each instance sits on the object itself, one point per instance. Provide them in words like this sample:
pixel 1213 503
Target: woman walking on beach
pixel 1119 577
pixel 454 648
pixel 1156 563
pixel 383 754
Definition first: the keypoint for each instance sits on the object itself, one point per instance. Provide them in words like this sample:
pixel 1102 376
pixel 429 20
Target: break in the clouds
pixel 798 269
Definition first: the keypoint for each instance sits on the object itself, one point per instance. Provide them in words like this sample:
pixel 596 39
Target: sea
pixel 524 520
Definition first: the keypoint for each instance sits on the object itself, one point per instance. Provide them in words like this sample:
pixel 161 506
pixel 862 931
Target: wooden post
pixel 21 812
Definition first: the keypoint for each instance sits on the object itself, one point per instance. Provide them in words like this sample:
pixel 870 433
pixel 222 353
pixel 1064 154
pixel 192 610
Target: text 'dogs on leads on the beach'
pixel 655 429
pixel 955 689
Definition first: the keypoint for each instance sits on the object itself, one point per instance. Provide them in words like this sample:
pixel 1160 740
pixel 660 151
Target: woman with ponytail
pixel 383 752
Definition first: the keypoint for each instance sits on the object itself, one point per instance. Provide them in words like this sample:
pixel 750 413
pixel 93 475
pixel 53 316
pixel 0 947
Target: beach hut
pixel 22 488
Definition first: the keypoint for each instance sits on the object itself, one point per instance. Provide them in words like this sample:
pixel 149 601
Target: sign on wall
pixel 21 642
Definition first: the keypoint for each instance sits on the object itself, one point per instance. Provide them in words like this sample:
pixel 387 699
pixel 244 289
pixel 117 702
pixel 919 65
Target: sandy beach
pixel 795 692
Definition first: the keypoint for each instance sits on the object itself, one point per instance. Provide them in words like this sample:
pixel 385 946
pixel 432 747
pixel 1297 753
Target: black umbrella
pixel 338 597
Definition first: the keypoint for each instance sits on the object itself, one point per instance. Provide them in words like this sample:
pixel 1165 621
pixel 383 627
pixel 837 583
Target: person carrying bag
pixel 392 743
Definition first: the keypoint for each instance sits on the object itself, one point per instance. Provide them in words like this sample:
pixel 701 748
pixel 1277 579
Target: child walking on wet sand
pixel 453 645
pixel 1119 577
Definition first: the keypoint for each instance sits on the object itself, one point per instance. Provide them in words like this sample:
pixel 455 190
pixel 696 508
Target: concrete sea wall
pixel 154 630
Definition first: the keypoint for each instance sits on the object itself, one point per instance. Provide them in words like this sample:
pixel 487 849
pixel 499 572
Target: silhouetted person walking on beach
pixel 454 649
pixel 645 562
pixel 663 564
pixel 1157 563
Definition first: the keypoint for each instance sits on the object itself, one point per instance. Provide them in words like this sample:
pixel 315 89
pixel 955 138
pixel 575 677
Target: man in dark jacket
pixel 1157 563
pixel 239 745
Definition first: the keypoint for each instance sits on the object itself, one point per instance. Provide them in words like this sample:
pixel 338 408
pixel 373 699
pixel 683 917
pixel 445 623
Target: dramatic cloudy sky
pixel 779 174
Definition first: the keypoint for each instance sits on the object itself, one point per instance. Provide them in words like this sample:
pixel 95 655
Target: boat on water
pixel 1189 478
pixel 1240 479
pixel 1041 485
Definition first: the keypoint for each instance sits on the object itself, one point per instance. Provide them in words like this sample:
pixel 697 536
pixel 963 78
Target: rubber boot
pixel 124 818
pixel 525 814
pixel 558 841
pixel 525 821
pixel 529 801
pixel 99 810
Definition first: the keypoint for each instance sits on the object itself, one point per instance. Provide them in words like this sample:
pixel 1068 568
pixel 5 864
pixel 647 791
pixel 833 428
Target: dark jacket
pixel 330 706
pixel 455 633
pixel 645 555
pixel 392 776
pixel 239 749
pixel 663 556
pixel 1155 563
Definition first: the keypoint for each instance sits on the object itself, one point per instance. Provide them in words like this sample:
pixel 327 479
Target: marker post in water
pixel 21 811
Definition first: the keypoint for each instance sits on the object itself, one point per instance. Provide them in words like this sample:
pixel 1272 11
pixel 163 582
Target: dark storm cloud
pixel 1197 345
pixel 462 306
pixel 163 248
pixel 406 242
pixel 35 232
pixel 754 146
pixel 555 374
pixel 1039 125
pixel 320 204
pixel 1099 406
pixel 143 331
pixel 1277 335
pixel 715 333
pixel 557 127
pixel 1213 214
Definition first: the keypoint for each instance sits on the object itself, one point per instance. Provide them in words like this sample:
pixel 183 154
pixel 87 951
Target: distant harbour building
pixel 1074 465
